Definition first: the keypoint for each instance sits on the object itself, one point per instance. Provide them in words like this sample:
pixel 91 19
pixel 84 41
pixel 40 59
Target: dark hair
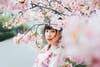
pixel 48 27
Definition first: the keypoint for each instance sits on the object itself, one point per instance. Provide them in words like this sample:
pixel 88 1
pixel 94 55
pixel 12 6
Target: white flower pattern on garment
pixel 49 58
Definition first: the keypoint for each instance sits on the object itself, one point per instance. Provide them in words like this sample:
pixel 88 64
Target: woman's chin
pixel 49 41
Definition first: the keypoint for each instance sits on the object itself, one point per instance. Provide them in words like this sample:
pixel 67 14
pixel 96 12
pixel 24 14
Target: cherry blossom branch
pixel 41 6
pixel 31 29
pixel 59 2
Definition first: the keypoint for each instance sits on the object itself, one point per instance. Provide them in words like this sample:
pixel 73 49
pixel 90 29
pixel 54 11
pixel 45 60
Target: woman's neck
pixel 54 43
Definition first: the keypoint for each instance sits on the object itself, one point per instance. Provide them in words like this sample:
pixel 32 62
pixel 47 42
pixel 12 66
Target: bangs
pixel 48 27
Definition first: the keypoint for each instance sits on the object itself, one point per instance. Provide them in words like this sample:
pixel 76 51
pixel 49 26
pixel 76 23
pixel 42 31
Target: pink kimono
pixel 49 58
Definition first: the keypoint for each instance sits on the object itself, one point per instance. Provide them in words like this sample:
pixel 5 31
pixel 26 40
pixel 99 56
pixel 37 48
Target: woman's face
pixel 52 35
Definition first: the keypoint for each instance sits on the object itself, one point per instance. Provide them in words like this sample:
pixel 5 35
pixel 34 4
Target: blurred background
pixel 22 23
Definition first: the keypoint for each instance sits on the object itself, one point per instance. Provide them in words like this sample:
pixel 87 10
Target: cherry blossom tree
pixel 78 18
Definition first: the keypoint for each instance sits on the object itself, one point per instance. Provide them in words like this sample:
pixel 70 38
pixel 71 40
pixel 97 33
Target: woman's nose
pixel 48 34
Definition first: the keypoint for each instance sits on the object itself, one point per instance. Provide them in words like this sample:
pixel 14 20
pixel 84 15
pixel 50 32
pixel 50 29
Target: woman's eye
pixel 46 31
pixel 53 31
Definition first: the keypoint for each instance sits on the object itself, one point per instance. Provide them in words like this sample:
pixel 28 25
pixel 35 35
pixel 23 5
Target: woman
pixel 50 55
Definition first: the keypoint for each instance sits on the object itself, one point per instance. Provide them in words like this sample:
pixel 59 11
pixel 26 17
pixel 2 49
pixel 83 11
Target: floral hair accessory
pixel 57 23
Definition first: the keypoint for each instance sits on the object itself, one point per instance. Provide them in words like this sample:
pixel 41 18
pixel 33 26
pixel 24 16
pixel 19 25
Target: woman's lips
pixel 49 39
